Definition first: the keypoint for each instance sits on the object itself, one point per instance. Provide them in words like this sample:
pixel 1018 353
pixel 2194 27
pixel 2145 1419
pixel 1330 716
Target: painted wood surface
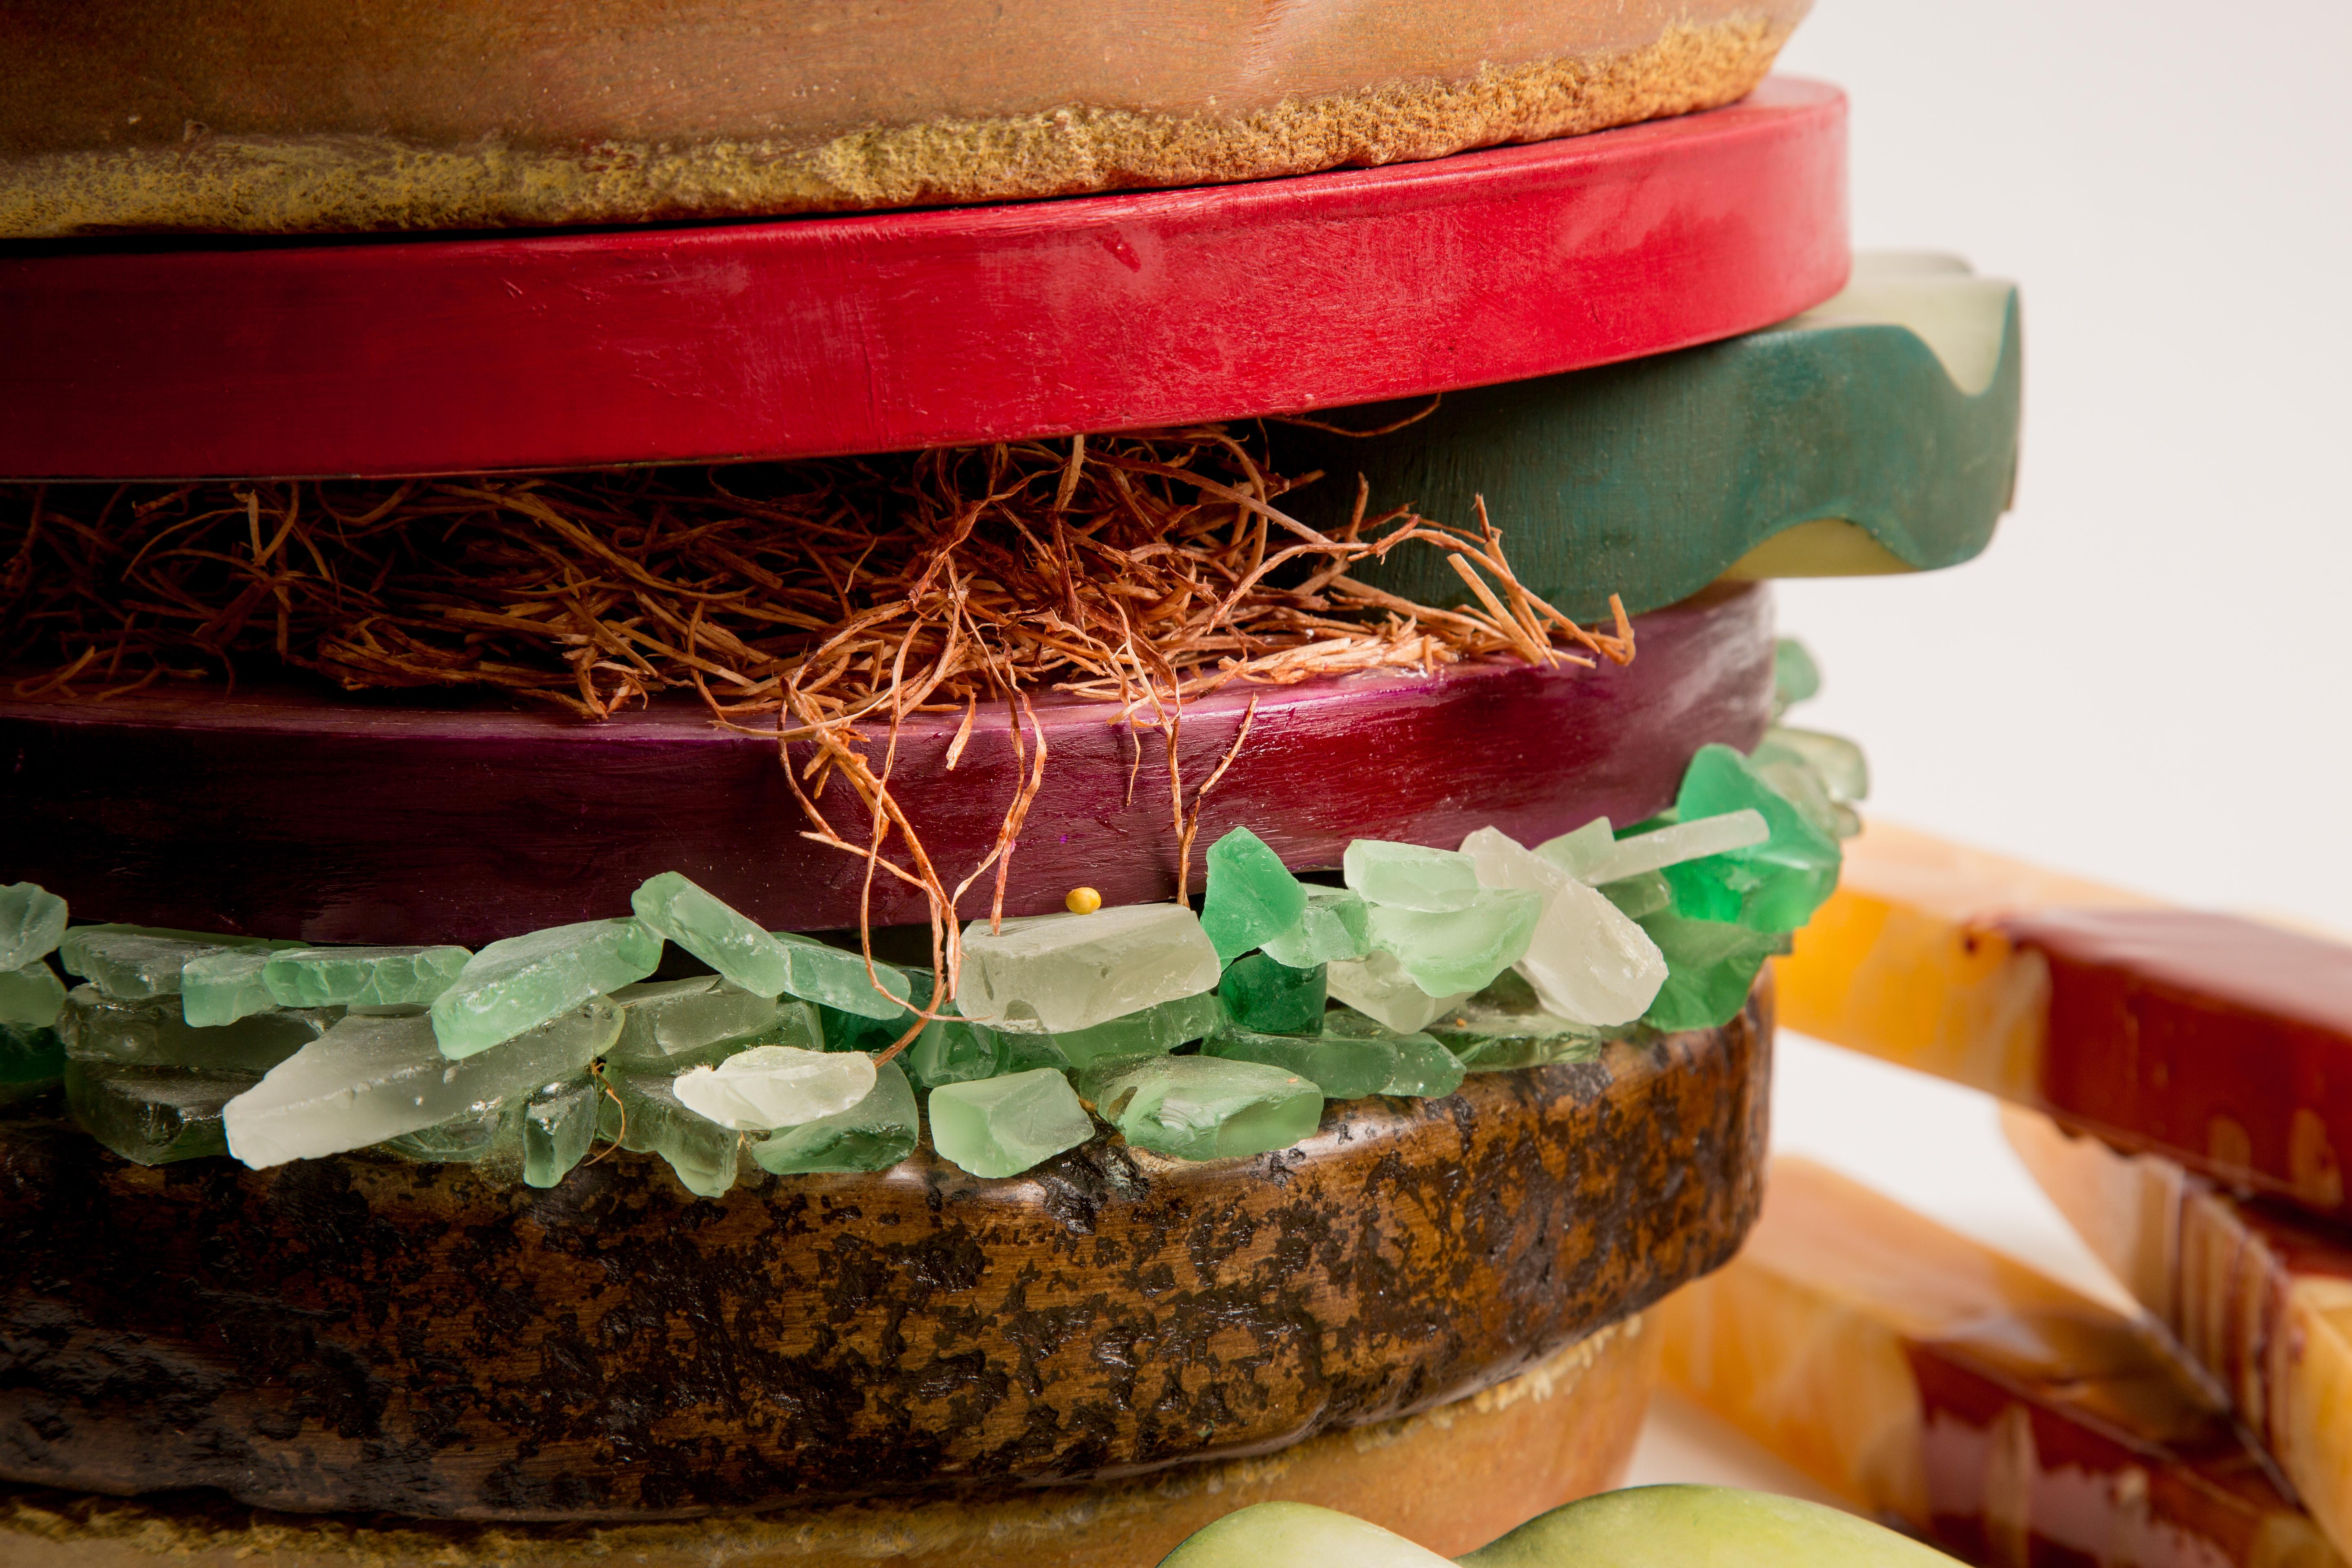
pixel 1893 407
pixel 333 818
pixel 880 333
pixel 363 1335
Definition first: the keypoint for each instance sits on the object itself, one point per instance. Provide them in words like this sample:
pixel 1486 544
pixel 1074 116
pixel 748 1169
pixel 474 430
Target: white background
pixel 2145 679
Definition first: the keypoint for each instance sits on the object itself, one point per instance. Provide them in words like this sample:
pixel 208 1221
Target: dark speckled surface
pixel 357 1334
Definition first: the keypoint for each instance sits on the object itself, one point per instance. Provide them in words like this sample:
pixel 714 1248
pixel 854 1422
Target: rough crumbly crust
pixel 1452 1477
pixel 342 183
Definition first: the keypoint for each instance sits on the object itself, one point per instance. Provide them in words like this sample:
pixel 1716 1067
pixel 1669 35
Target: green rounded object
pixel 1701 1527
pixel 1892 408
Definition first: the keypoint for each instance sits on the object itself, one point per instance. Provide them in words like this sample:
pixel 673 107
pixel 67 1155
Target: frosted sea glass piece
pixel 476 1136
pixel 155 1033
pixel 1670 845
pixel 362 976
pixel 524 980
pixel 1334 928
pixel 1205 1108
pixel 32 1061
pixel 1067 972
pixel 1263 994
pixel 224 985
pixel 32 923
pixel 1004 1126
pixel 129 963
pixel 558 1123
pixel 1409 876
pixel 646 1115
pixel 1379 988
pixel 1505 1027
pixel 678 1024
pixel 31 996
pixel 1252 897
pixel 153 1116
pixel 1587 962
pixel 1147 1031
pixel 1579 852
pixel 764 962
pixel 375 1077
pixel 1839 763
pixel 769 1087
pixel 1455 951
pixel 875 1134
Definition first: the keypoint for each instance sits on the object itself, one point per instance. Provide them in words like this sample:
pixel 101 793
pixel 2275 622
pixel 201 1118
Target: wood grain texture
pixel 1452 1479
pixel 363 1334
pixel 330 818
pixel 881 333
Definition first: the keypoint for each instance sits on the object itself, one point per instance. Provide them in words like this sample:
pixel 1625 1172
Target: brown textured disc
pixel 1451 1479
pixel 361 1334
pixel 335 115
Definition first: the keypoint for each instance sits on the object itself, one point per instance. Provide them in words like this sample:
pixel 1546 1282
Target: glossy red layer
pixel 341 820
pixel 881 333
pixel 2220 1042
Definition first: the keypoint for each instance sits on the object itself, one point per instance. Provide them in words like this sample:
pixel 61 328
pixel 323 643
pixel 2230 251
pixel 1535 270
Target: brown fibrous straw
pixel 817 603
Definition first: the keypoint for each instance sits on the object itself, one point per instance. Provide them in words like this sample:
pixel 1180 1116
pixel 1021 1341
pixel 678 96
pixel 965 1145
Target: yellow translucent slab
pixel 1906 960
pixel 1999 1414
pixel 2260 1296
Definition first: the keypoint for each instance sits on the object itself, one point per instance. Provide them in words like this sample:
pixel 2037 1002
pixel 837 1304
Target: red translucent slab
pixel 884 331
pixel 312 815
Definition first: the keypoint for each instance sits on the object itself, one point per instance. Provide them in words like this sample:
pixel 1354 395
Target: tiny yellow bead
pixel 1082 901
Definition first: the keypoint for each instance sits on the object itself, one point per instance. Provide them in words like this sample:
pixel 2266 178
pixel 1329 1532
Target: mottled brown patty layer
pixel 361 1334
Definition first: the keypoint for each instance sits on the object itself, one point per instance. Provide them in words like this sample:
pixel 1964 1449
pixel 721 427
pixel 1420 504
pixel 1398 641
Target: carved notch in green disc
pixel 1874 433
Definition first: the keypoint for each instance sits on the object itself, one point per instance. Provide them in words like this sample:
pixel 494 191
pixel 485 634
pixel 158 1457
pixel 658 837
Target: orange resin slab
pixel 1993 1411
pixel 2222 1043
pixel 2259 1296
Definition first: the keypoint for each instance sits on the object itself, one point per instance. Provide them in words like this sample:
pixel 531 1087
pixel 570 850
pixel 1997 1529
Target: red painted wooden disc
pixel 887 332
pixel 322 817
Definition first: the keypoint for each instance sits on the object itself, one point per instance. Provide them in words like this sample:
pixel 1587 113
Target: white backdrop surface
pixel 2144 680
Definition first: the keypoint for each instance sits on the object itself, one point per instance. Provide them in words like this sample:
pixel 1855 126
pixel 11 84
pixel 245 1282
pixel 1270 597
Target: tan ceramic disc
pixel 341 115
pixel 1452 1479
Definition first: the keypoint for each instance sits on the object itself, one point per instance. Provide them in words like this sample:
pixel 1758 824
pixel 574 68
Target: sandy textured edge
pixel 1453 1478
pixel 350 184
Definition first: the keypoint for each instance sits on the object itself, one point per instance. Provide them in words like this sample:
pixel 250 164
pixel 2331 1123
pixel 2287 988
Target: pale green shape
pixel 875 1134
pixel 1157 1029
pixel 375 1076
pixel 1638 896
pixel 362 976
pixel 152 1116
pixel 650 1119
pixel 1842 769
pixel 32 923
pixel 1066 973
pixel 1585 958
pixel 1579 852
pixel 1678 842
pixel 766 964
pixel 1334 928
pixel 155 1033
pixel 769 1087
pixel 1301 1535
pixel 1693 1527
pixel 559 1123
pixel 1409 876
pixel 1456 950
pixel 828 976
pixel 220 987
pixel 1252 897
pixel 485 1135
pixel 1004 1126
pixel 31 996
pixel 521 983
pixel 1201 1108
pixel 1795 676
pixel 1379 988
pixel 132 963
pixel 1505 1027
pixel 1423 1068
pixel 672 1024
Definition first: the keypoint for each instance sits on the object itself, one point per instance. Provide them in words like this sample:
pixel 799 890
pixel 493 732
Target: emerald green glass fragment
pixel 153 1116
pixel 1266 995
pixel 1334 928
pixel 522 982
pixel 362 976
pixel 1252 896
pixel 1450 952
pixel 32 923
pixel 1004 1126
pixel 31 995
pixel 559 1124
pixel 1710 965
pixel 872 1135
pixel 1774 886
pixel 1204 1107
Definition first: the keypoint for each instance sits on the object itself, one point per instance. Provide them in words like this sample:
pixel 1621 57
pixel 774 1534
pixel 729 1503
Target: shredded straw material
pixel 818 602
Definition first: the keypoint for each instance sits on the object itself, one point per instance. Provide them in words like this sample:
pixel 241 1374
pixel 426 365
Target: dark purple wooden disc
pixel 334 819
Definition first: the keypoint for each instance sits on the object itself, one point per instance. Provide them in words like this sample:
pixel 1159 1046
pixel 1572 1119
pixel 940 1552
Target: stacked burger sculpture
pixel 869 885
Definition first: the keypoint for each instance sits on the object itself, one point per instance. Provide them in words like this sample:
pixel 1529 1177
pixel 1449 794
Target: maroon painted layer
pixel 335 820
pixel 880 333
pixel 2222 1043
